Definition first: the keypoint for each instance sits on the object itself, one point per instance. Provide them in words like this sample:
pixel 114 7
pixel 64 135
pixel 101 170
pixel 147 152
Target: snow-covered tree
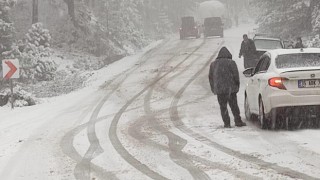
pixel 6 26
pixel 290 18
pixel 283 17
pixel 315 16
pixel 38 36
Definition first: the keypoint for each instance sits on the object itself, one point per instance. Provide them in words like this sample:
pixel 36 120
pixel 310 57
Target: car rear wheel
pixel 262 117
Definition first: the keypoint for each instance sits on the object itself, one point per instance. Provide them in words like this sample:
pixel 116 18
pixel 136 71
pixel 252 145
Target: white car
pixel 284 88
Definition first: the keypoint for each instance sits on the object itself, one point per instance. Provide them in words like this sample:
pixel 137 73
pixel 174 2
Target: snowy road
pixel 151 116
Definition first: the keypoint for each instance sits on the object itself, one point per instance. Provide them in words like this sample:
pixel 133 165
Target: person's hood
pixel 224 54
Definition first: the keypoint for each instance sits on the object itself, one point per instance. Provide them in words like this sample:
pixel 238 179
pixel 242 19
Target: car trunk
pixel 188 23
pixel 188 27
pixel 212 22
pixel 302 82
pixel 260 52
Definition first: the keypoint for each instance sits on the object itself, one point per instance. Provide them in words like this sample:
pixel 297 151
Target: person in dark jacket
pixel 299 43
pixel 224 82
pixel 249 52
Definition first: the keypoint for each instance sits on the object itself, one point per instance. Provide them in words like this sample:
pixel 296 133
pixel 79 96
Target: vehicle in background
pixel 189 28
pixel 214 8
pixel 284 89
pixel 213 26
pixel 264 42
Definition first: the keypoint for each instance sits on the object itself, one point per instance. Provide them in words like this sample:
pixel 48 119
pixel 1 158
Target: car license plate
pixel 310 83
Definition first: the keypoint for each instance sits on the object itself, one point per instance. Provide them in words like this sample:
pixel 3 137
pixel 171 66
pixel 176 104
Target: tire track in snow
pixel 28 146
pixel 83 169
pixel 176 143
pixel 84 165
pixel 178 123
pixel 70 151
pixel 136 132
pixel 113 128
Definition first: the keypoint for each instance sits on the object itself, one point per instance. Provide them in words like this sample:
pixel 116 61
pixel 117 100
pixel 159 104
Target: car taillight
pixel 278 82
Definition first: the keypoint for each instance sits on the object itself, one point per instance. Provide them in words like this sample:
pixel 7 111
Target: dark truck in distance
pixel 213 26
pixel 189 28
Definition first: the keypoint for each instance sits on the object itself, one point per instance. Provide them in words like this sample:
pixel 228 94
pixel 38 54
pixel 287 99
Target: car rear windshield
pixel 267 44
pixel 188 22
pixel 212 21
pixel 298 60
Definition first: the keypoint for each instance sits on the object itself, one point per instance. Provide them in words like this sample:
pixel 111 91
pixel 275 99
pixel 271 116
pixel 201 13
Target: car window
pixel 212 21
pixel 298 60
pixel 188 22
pixel 267 44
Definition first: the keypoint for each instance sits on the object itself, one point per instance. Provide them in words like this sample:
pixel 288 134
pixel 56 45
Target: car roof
pixel 212 18
pixel 266 38
pixel 277 52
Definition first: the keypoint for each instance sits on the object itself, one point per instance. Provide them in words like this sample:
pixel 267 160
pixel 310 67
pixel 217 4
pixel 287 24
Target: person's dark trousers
pixel 231 99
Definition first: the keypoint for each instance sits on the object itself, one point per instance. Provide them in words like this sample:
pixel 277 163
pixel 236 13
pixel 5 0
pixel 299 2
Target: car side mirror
pixel 248 72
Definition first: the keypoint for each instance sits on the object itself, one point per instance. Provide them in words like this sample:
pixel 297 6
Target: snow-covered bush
pixel 4 96
pixel 45 69
pixel 20 97
pixel 314 42
pixel 33 53
pixel 23 98
pixel 88 64
pixel 38 37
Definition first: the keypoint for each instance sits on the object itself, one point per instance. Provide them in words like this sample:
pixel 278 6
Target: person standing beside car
pixel 248 51
pixel 299 43
pixel 224 82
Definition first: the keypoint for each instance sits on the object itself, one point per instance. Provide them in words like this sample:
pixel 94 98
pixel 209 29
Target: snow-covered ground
pixel 151 116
